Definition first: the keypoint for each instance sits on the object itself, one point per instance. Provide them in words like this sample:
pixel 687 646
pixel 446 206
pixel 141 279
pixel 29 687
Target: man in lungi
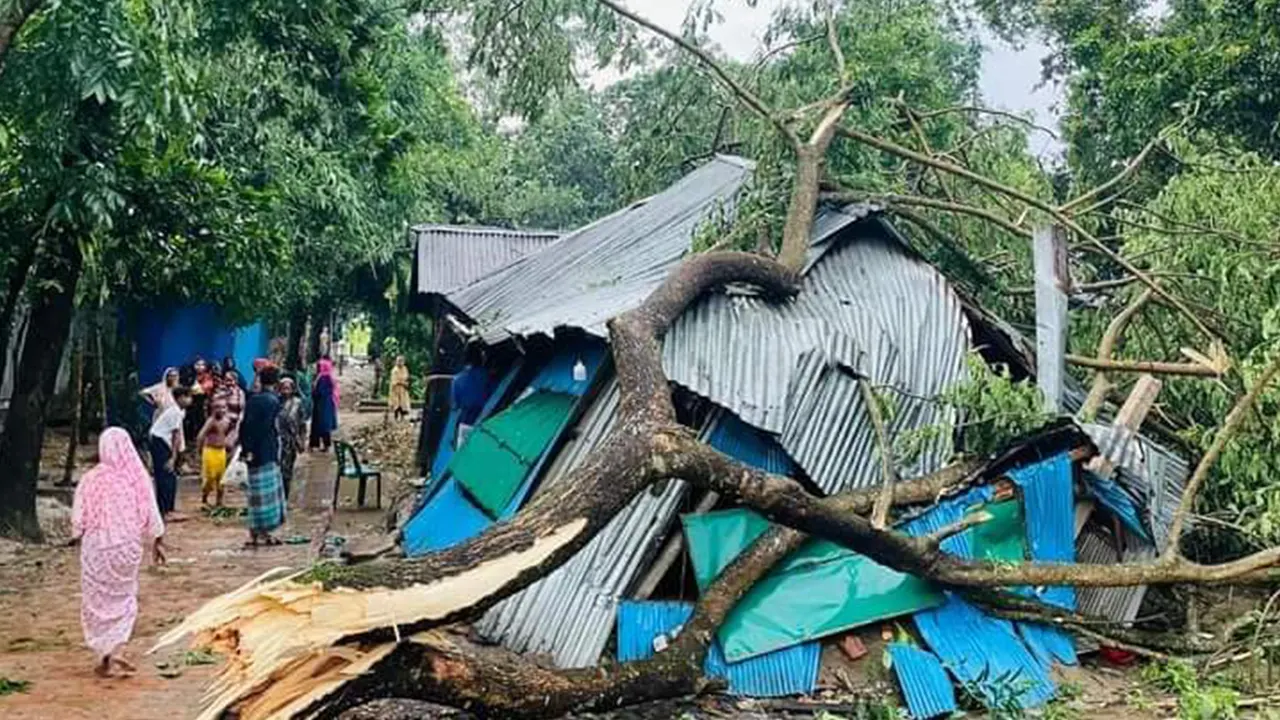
pixel 260 442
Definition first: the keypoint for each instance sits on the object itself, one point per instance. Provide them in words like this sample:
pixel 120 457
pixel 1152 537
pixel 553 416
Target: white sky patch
pixel 1009 78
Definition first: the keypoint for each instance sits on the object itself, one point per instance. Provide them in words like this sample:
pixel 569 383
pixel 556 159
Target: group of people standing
pixel 120 510
pixel 263 424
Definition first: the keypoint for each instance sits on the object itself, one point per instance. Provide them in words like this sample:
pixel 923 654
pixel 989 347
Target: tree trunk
pixel 37 371
pixel 102 370
pixel 77 408
pixel 293 360
pixel 13 291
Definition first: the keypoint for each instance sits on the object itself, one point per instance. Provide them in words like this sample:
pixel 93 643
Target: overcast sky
pixel 1009 76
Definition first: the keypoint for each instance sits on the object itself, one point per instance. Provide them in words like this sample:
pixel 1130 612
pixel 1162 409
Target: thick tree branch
pixel 1115 330
pixel 439 666
pixel 804 190
pixel 785 502
pixel 1229 427
pixel 493 682
pixel 636 335
pixel 1066 220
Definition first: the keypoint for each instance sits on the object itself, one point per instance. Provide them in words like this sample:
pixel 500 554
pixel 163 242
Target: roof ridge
pixel 482 230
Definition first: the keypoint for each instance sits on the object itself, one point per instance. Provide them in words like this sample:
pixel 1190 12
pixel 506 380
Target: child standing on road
pixel 212 442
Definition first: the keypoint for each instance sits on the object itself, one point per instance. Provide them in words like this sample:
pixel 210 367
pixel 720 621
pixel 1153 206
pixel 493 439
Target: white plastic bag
pixel 237 472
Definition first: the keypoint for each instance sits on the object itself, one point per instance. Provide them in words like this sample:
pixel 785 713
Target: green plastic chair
pixel 349 466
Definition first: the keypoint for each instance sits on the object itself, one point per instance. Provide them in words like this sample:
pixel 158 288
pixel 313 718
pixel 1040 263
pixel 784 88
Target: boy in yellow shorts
pixel 212 442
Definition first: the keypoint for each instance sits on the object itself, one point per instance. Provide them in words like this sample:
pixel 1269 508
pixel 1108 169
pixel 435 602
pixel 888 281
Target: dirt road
pixel 40 638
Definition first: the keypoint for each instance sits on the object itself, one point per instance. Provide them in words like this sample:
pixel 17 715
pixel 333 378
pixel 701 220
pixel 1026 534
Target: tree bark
pixel 23 436
pixel 293 360
pixel 492 682
pixel 14 284
pixel 102 369
pixel 785 501
pixel 77 407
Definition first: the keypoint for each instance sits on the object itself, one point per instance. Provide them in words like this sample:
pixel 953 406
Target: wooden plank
pixel 1131 416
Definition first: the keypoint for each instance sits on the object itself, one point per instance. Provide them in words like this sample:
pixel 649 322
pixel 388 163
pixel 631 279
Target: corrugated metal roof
pixel 792 671
pixel 570 613
pixel 604 268
pixel 501 451
pixel 754 447
pixel 1112 496
pixel 985 653
pixel 925 685
pixel 1095 545
pixel 451 256
pixel 981 651
pixel 447 517
pixel 868 306
pixel 1147 471
pixel 1048 499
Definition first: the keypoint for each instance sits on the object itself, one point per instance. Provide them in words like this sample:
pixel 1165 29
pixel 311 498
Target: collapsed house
pixel 779 386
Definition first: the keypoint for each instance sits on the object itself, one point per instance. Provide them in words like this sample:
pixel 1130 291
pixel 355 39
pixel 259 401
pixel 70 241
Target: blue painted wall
pixel 175 336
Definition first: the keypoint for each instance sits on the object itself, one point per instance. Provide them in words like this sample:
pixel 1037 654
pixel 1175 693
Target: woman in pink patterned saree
pixel 116 518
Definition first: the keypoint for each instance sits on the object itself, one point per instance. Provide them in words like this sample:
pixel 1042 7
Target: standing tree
pixel 250 156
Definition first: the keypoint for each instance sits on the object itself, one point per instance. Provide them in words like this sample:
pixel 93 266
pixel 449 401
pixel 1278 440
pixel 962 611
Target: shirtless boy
pixel 213 441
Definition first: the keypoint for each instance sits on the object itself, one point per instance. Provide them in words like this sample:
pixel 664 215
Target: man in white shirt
pixel 167 445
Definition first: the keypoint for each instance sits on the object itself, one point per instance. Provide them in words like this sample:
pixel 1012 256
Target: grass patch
pixel 199 657
pixel 9 686
pixel 1211 698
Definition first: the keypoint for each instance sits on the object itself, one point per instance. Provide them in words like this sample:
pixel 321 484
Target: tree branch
pixel 891 201
pixel 747 97
pixel 804 191
pixel 1143 366
pixel 785 502
pixel 880 512
pixel 1129 169
pixel 986 111
pixel 833 39
pixel 1065 219
pixel 952 245
pixel 1115 329
pixel 955 528
pixel 1229 427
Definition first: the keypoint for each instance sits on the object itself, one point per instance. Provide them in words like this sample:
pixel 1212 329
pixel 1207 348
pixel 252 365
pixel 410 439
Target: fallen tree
pixel 313 644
